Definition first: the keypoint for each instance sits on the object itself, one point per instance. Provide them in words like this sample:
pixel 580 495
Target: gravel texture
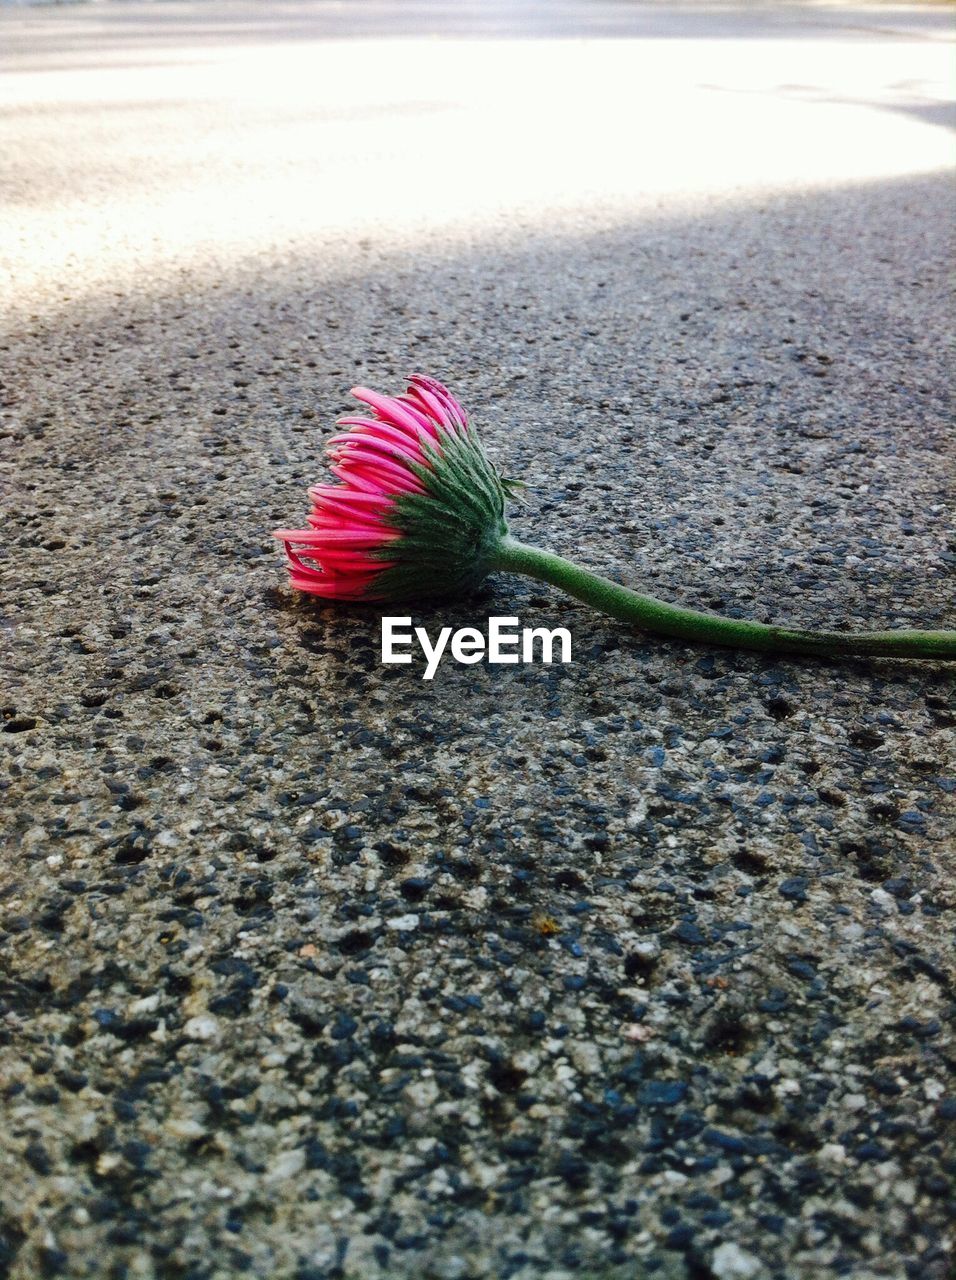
pixel 637 967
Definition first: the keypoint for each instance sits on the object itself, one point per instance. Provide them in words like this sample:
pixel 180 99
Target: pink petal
pixel 353 503
pixel 453 414
pixel 357 481
pixel 388 409
pixel 366 428
pixel 380 474
pixel 331 520
pixel 322 539
pixel 332 586
pixel 431 405
pixel 424 420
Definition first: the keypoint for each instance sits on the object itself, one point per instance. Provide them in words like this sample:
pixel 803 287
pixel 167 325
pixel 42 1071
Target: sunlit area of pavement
pixel 140 140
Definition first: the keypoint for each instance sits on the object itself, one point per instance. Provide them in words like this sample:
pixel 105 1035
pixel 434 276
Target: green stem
pixel 688 624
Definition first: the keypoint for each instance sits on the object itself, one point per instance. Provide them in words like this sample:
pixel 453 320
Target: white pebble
pixel 185 1128
pixel 203 1027
pixel 730 1262
pixel 288 1164
pixel 402 922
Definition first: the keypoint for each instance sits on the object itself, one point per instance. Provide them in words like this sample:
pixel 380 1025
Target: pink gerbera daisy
pixel 419 510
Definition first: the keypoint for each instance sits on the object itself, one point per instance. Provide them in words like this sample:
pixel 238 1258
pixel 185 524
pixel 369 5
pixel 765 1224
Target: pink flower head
pixel 419 510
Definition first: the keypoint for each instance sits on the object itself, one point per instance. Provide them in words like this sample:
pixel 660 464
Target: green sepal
pixel 452 531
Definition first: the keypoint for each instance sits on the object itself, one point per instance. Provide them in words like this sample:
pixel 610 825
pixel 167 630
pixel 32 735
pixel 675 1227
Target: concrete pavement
pixel 636 967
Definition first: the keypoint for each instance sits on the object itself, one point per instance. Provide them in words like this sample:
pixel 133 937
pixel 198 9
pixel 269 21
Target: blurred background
pixel 138 140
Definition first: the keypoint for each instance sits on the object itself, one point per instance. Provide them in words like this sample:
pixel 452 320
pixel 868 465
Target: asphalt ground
pixel 636 966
